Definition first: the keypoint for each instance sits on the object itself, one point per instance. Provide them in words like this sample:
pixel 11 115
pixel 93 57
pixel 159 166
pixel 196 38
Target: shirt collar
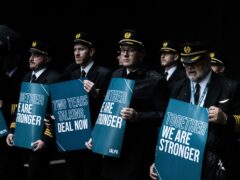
pixel 39 72
pixel 134 70
pixel 171 71
pixel 205 81
pixel 88 67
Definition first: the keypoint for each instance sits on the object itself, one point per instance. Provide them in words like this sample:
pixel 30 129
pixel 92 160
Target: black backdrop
pixel 56 22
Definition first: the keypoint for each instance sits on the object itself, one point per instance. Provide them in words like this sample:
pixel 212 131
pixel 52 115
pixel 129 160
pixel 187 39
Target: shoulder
pixel 71 67
pixel 152 74
pixel 118 72
pixel 230 82
pixel 52 75
pixel 226 83
pixel 181 71
pixel 153 79
pixel 102 69
pixel 182 81
pixel 27 76
pixel 53 72
pixel 179 86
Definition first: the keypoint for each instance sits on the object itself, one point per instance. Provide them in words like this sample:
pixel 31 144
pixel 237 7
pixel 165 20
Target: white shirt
pixel 203 87
pixel 170 72
pixel 38 73
pixel 87 68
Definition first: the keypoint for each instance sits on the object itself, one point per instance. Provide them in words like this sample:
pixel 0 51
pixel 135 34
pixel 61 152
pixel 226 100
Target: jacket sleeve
pixel 158 102
pixel 13 118
pixel 48 133
pixel 233 121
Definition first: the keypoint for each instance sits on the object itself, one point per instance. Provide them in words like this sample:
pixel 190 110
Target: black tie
pixel 83 74
pixel 130 75
pixel 33 78
pixel 165 74
pixel 197 93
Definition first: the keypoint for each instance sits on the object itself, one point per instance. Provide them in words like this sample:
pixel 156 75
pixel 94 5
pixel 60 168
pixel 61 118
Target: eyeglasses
pixel 129 51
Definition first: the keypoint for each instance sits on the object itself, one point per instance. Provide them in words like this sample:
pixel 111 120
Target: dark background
pixel 56 22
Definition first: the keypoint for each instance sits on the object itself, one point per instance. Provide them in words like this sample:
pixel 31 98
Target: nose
pixel 125 53
pixel 31 58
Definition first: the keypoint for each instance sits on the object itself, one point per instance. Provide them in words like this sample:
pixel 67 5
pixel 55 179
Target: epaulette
pixel 48 133
pixel 13 125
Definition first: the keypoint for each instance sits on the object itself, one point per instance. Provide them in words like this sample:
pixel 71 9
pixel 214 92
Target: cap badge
pixel 78 35
pixel 34 44
pixel 187 49
pixel 212 55
pixel 127 35
pixel 165 44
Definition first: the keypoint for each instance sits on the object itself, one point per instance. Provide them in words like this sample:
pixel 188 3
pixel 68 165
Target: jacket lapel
pixel 213 92
pixel 42 78
pixel 185 91
pixel 92 73
pixel 76 74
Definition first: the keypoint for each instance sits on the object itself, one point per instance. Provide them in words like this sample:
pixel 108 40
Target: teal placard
pixel 70 104
pixel 181 142
pixel 31 111
pixel 109 129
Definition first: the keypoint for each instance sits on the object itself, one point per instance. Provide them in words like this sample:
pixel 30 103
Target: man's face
pixel 130 56
pixel 168 59
pixel 82 54
pixel 198 70
pixel 36 61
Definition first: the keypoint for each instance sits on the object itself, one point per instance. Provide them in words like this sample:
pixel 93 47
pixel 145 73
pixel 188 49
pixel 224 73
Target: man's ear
pixel 92 51
pixel 176 57
pixel 222 69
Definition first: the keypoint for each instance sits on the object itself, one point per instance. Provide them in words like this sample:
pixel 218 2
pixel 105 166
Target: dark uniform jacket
pixel 150 98
pixel 10 161
pixel 12 87
pixel 47 77
pixel 177 75
pixel 100 76
pixel 84 164
pixel 39 167
pixel 221 142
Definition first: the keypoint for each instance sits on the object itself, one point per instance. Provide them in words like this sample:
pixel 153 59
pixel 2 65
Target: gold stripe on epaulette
pixel 47 130
pixel 13 125
pixel 48 133
pixel 13 108
pixel 237 120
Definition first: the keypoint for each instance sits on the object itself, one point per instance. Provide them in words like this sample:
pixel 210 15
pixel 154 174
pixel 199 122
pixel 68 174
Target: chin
pixel 126 64
pixel 192 78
